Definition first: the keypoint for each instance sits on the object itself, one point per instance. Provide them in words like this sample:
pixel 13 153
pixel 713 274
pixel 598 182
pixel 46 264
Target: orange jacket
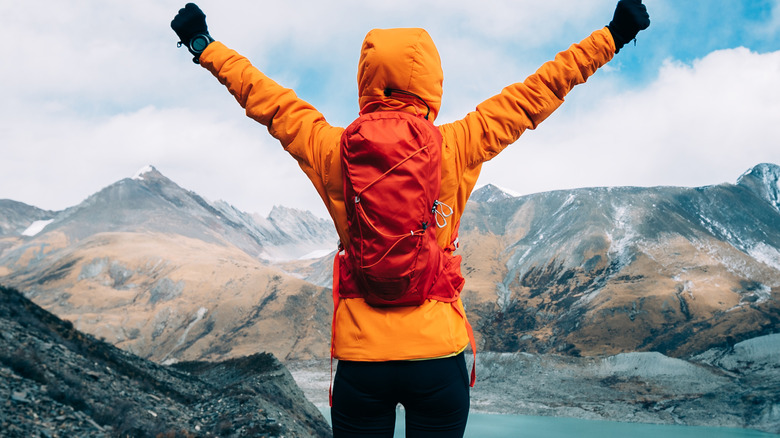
pixel 405 59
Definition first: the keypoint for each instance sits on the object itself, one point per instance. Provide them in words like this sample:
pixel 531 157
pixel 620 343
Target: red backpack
pixel 391 166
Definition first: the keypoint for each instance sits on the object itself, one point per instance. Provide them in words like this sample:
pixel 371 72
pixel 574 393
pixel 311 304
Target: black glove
pixel 630 17
pixel 189 23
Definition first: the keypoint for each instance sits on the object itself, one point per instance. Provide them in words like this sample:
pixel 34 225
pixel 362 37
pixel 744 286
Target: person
pixel 411 355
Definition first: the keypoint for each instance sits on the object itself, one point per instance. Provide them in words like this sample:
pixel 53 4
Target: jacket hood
pixel 400 59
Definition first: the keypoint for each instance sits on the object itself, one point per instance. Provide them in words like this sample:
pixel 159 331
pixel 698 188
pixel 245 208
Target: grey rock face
pixel 16 217
pixel 58 382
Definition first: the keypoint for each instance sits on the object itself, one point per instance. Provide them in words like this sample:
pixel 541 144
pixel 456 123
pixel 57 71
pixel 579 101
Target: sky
pixel 91 91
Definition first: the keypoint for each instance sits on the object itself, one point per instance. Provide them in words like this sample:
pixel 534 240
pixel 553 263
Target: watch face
pixel 199 43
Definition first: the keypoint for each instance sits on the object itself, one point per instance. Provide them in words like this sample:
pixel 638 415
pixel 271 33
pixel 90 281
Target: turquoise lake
pixel 495 426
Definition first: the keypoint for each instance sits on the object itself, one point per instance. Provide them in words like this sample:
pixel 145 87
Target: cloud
pixel 696 124
pixel 92 91
pixel 771 28
pixel 233 159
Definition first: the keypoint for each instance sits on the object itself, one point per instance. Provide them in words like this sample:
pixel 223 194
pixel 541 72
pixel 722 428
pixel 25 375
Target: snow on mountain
pixel 764 181
pixel 17 218
pixel 591 271
pixel 154 268
pixel 150 202
pixel 566 270
pixel 287 234
pixel 491 193
pixel 644 277
pixel 36 227
pixel 144 170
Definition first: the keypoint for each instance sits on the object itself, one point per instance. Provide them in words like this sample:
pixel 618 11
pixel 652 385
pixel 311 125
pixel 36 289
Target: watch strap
pixel 198 44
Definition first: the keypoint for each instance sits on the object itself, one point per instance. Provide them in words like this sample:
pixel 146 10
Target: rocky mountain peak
pixel 764 180
pixel 17 217
pixel 583 264
pixel 299 223
pixel 148 201
pixel 148 172
pixel 300 232
pixel 144 189
pixel 490 193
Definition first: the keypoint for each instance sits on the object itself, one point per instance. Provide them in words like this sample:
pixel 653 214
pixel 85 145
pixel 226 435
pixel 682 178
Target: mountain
pixel 490 193
pixel 161 272
pixel 61 382
pixel 601 271
pixel 17 217
pixel 149 202
pixel 764 181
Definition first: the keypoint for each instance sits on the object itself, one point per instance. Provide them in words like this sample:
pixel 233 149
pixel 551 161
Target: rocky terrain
pixel 163 273
pixel 58 382
pixel 556 281
pixel 600 271
pixel 735 387
pixel 16 217
pixel 160 272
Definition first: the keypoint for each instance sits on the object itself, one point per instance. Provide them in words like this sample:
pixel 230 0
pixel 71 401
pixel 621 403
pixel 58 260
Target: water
pixel 503 426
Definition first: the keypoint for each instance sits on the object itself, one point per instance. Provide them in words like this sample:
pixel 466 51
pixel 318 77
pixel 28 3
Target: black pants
pixel 434 393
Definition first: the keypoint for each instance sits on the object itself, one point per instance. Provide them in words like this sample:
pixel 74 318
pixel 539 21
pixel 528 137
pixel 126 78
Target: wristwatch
pixel 198 44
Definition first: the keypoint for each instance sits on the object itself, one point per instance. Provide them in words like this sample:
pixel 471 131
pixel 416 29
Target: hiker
pixel 413 353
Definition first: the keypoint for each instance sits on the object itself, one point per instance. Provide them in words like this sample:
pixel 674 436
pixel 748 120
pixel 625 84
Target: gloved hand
pixel 188 23
pixel 630 17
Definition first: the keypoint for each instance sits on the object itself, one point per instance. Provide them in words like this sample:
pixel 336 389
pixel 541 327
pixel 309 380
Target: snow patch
pixel 198 317
pixel 587 298
pixel 765 254
pixel 717 229
pixel 620 246
pixel 569 200
pixel 510 192
pixel 141 172
pixel 768 176
pixel 36 227
pixel 316 254
pixel 762 294
pixel 496 193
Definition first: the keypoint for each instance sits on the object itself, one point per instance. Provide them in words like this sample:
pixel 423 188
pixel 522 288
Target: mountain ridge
pixel 591 271
pixel 764 180
pixel 16 217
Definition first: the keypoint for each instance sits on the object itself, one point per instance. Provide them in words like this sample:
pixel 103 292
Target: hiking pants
pixel 434 393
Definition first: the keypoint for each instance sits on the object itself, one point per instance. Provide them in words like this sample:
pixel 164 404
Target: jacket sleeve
pixel 299 127
pixel 500 120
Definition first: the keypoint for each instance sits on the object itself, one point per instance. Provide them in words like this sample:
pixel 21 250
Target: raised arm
pixel 299 127
pixel 290 119
pixel 500 120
